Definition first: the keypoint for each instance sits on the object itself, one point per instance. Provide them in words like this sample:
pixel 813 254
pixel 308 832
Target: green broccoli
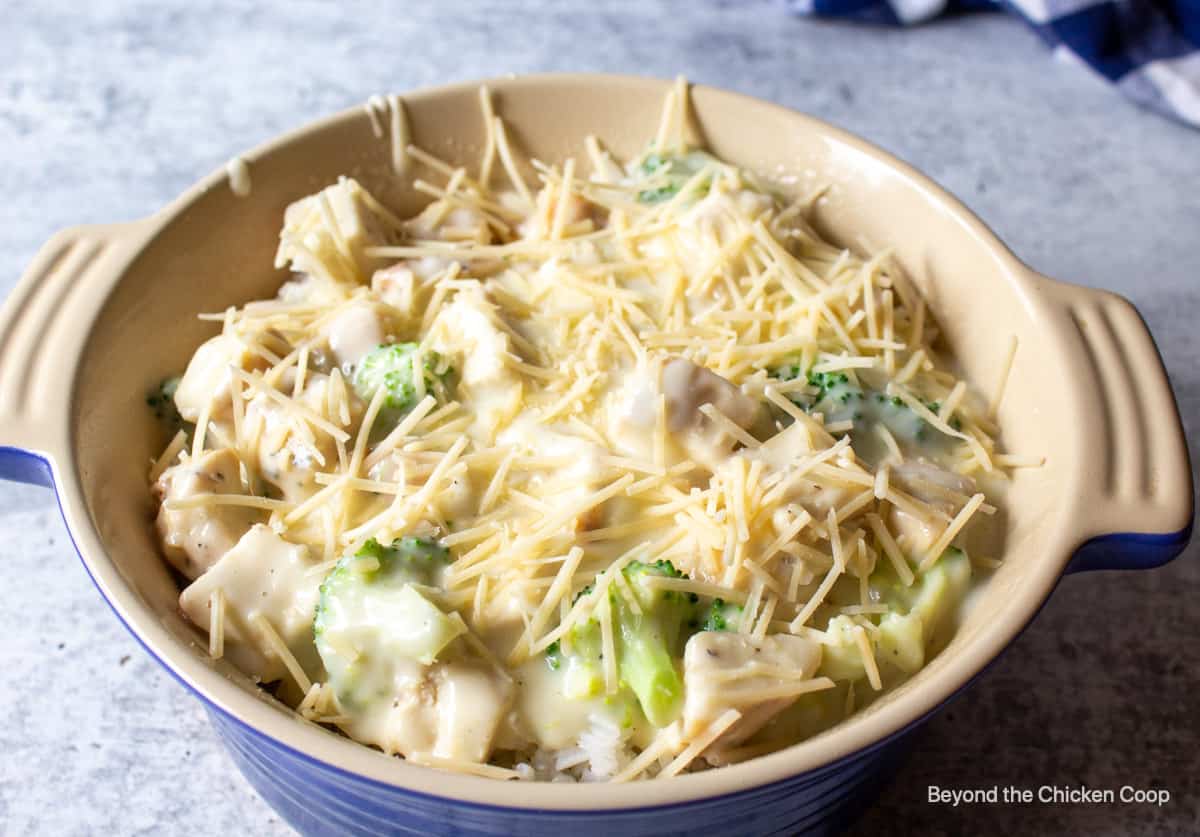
pixel 583 666
pixel 554 655
pixel 162 401
pixel 584 655
pixel 650 639
pixel 940 589
pixel 651 626
pixel 935 406
pixel 669 173
pixel 372 616
pixel 649 633
pixel 391 367
pixel 915 617
pixel 417 559
pixel 721 616
pixel 839 399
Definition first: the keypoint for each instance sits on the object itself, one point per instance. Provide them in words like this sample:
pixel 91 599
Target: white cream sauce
pixel 238 173
pixel 261 575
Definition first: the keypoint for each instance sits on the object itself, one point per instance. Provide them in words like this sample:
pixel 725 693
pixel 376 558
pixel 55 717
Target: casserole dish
pixel 104 312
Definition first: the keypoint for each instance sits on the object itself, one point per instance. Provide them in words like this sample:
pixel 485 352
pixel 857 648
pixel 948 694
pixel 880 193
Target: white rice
pixel 602 751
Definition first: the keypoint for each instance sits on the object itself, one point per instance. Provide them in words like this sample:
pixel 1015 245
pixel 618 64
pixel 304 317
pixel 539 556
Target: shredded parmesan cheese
pixel 606 362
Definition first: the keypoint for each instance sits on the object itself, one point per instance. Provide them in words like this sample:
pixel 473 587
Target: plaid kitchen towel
pixel 1148 48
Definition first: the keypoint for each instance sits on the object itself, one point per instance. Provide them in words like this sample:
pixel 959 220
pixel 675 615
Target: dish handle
pixel 44 323
pixel 1135 507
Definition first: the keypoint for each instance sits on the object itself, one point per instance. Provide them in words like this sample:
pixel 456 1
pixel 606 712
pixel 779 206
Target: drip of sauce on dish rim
pixel 239 176
pixel 391 109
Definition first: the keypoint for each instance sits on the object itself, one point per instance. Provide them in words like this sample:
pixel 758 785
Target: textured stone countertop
pixel 105 114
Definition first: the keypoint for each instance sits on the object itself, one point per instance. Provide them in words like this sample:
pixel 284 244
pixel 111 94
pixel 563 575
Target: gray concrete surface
pixel 107 113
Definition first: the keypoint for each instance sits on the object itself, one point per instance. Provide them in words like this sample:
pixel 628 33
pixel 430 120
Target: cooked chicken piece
pixel 469 334
pixel 726 670
pixel 942 489
pixel 457 498
pixel 687 388
pixel 397 286
pixel 471 701
pixel 791 447
pixel 261 575
pixel 448 710
pixel 473 320
pixel 353 333
pixel 290 451
pixel 308 289
pixel 409 723
pixel 328 234
pixel 541 222
pixel 582 470
pixel 208 378
pixel 461 223
pixel 195 538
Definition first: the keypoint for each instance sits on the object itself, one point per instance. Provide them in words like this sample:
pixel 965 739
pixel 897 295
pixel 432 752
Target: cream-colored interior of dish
pixel 215 252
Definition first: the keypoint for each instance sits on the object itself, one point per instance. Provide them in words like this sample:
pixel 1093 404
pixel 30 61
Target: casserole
pixel 106 311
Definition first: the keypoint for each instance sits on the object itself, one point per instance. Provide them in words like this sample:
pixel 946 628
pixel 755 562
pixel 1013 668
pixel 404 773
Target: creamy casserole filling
pixel 611 476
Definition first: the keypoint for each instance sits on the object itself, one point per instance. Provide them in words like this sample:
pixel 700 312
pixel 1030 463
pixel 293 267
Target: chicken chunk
pixel 468 332
pixel 328 234
pixel 448 710
pixel 470 325
pixel 582 472
pixel 290 451
pixel 686 388
pixel 725 670
pixel 307 289
pixel 791 447
pixel 262 575
pixel 405 725
pixel 540 222
pixel 195 538
pixel 207 378
pixel 460 223
pixel 353 333
pixel 397 286
pixel 471 701
pixel 944 490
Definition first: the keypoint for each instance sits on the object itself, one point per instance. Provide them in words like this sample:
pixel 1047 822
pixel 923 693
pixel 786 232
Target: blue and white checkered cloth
pixel 1150 49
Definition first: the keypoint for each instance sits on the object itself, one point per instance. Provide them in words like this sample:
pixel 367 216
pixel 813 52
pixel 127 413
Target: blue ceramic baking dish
pixel 105 311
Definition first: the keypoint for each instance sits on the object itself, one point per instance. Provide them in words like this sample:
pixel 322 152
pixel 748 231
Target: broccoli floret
pixel 650 638
pixel 721 616
pixel 371 614
pixel 837 397
pixel 649 633
pixel 554 655
pixel 915 616
pixel 585 668
pixel 651 625
pixel 935 406
pixel 391 367
pixel 670 173
pixel 418 560
pixel 580 659
pixel 162 401
pixel 840 399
